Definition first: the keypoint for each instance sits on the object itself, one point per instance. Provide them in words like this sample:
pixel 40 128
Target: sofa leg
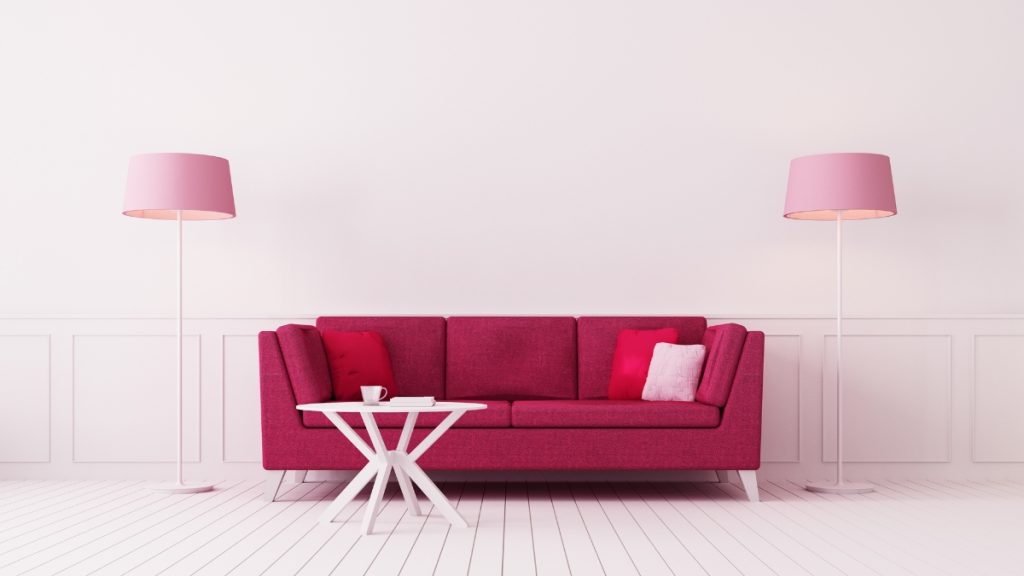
pixel 749 479
pixel 723 476
pixel 272 484
pixel 298 476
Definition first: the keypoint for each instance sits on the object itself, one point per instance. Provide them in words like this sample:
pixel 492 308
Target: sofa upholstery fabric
pixel 613 414
pixel 415 344
pixel 723 344
pixel 306 362
pixel 511 358
pixel 597 337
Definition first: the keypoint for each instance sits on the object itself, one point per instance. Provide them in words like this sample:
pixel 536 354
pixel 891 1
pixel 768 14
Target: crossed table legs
pixel 382 461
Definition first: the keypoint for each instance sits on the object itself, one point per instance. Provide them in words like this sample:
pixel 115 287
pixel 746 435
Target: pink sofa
pixel 545 382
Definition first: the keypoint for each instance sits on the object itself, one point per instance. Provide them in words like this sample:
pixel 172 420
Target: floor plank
pixel 81 557
pixel 906 526
pixel 756 542
pixel 814 553
pixel 430 540
pixel 261 537
pixel 457 550
pixel 710 557
pixel 646 557
pixel 404 537
pixel 489 544
pixel 580 553
pixel 548 544
pixel 298 554
pixel 128 555
pixel 677 555
pixel 42 514
pixel 615 559
pixel 736 550
pixel 518 556
pixel 365 550
pixel 334 550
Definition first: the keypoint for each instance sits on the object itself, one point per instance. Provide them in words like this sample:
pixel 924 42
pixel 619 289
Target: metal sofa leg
pixel 749 479
pixel 298 476
pixel 272 484
pixel 723 476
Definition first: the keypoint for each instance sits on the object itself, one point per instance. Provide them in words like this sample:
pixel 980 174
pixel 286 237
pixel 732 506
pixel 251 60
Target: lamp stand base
pixel 839 487
pixel 175 488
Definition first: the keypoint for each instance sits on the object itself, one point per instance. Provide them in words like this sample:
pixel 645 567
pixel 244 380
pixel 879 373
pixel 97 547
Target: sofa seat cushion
pixel 497 415
pixel 613 414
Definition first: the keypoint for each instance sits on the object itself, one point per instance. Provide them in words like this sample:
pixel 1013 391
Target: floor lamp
pixel 840 187
pixel 179 187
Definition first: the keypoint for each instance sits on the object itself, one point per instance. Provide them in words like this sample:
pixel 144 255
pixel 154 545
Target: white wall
pixel 552 157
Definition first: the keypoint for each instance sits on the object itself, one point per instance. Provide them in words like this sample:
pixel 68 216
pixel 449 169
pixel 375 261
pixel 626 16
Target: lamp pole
pixel 178 475
pixel 841 486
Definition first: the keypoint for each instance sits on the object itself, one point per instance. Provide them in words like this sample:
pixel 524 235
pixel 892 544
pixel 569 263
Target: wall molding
pixel 974 400
pixel 948 392
pixel 49 396
pixel 799 397
pixel 223 396
pixel 199 397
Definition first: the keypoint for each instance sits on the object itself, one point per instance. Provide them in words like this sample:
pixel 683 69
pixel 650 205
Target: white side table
pixel 382 461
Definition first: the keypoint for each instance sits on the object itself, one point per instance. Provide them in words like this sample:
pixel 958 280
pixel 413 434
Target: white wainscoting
pixel 25 408
pixel 897 398
pixel 93 397
pixel 121 386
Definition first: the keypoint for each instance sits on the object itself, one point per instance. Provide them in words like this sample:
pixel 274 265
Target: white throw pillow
pixel 674 373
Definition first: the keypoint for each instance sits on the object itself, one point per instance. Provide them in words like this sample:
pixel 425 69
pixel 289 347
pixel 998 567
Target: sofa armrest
pixel 741 416
pixel 278 416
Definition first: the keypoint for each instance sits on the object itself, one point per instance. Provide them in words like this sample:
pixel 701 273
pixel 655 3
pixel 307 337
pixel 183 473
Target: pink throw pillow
pixel 674 373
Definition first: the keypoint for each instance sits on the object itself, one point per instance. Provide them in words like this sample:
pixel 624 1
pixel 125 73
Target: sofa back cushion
pixel 415 344
pixel 597 337
pixel 512 358
pixel 306 363
pixel 724 345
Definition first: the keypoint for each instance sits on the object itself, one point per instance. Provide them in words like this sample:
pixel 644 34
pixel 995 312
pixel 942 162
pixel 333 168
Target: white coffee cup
pixel 372 394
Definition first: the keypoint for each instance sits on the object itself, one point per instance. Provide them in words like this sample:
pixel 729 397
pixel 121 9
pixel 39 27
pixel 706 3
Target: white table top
pixel 386 408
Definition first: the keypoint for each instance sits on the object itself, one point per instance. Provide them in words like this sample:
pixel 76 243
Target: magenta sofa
pixel 545 381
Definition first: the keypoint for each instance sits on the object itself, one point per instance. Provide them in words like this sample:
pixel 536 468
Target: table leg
pixel 350 491
pixel 373 506
pixel 384 465
pixel 408 493
pixel 436 433
pixel 430 490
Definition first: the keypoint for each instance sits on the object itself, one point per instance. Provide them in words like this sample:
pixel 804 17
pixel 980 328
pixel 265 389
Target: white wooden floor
pixel 906 527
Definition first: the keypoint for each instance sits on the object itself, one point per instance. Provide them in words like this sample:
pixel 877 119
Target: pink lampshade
pixel 159 185
pixel 859 185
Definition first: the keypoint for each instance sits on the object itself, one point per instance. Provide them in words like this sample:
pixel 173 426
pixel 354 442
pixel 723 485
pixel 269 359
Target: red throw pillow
pixel 633 351
pixel 357 359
